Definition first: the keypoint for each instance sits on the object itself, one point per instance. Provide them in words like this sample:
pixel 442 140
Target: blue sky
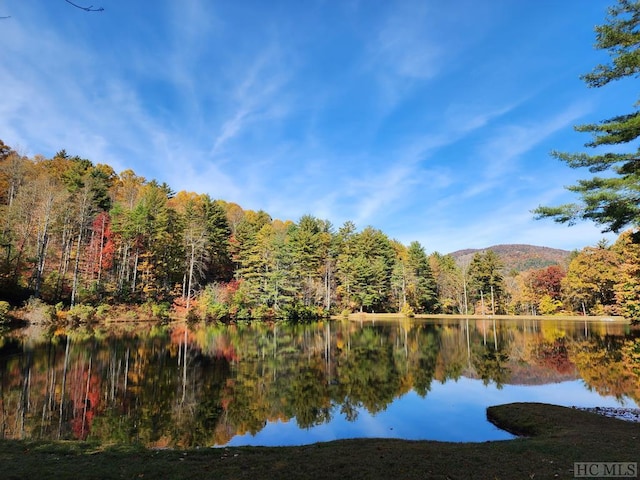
pixel 430 120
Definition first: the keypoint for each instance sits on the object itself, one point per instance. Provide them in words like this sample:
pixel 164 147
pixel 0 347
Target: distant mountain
pixel 519 257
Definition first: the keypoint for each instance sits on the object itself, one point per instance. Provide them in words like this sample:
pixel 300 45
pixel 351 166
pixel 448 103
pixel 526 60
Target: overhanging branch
pixel 90 8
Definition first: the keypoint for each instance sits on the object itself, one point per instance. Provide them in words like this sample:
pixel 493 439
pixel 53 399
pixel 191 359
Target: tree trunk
pixel 101 253
pixel 135 271
pixel 191 265
pixel 76 269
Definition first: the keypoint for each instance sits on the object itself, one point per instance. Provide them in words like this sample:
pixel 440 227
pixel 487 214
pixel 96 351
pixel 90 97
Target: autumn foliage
pixel 73 232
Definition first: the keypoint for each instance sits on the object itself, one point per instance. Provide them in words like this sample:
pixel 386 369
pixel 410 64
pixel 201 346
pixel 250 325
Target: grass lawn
pixel 556 437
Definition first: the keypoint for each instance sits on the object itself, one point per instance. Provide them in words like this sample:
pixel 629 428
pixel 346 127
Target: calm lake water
pixel 264 384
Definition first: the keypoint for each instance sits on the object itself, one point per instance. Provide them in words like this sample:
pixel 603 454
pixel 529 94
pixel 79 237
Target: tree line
pixel 77 234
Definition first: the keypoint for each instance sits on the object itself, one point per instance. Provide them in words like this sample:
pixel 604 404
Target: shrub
pixel 161 310
pixel 262 312
pixel 407 310
pixel 216 312
pixel 81 313
pixel 239 304
pixel 179 308
pixel 103 310
pixel 192 315
pixel 4 310
pixel 90 295
pixel 211 303
pixel 548 306
pixel 298 313
pixel 239 312
pixel 37 311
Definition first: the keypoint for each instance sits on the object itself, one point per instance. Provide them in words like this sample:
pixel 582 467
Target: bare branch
pixel 90 8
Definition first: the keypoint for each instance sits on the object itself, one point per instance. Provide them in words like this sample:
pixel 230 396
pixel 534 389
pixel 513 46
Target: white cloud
pixel 257 98
pixel 419 39
pixel 515 140
pixel 377 193
pixel 503 227
pixel 499 157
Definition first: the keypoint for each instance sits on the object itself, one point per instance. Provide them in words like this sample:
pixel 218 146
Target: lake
pixel 173 385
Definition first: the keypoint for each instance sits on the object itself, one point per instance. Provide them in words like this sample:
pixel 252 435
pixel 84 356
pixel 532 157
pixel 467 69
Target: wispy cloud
pixel 405 47
pixel 499 156
pixel 416 43
pixel 508 224
pixel 59 99
pixel 412 170
pixel 256 98
pixel 515 140
pixel 380 192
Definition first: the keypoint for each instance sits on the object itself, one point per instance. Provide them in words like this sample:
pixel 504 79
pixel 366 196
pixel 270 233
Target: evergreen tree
pixel 611 201
pixel 486 280
pixel 366 265
pixel 423 291
pixel 450 283
pixel 306 249
pixel 345 247
pixel 159 245
pixel 248 253
pixel 219 267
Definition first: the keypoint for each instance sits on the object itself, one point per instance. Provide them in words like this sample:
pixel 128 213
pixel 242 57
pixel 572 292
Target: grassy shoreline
pixel 395 316
pixel 555 438
pixel 38 312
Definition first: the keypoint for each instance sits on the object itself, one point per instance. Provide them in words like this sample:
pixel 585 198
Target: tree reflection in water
pixel 179 386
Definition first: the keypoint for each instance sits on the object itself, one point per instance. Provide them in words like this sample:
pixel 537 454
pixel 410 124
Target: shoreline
pixel 395 316
pixel 621 413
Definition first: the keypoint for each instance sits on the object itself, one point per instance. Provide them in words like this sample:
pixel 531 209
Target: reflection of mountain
pixel 537 375
pixel 529 374
pixel 519 257
pixel 168 386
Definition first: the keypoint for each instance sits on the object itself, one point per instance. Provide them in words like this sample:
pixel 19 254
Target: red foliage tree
pixel 548 281
pixel 102 246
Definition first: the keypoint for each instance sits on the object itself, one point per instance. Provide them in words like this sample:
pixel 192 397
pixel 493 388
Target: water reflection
pixel 173 385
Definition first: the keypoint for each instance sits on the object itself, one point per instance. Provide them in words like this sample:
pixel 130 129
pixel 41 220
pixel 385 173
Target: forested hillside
pixel 86 239
pixel 518 257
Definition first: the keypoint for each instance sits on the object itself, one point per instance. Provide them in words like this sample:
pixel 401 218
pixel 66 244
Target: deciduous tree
pixel 591 277
pixel 627 287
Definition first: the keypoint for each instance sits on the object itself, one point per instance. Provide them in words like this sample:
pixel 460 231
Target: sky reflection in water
pixel 453 412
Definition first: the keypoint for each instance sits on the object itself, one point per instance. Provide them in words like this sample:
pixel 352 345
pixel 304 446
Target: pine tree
pixel 423 293
pixel 487 282
pixel 612 201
